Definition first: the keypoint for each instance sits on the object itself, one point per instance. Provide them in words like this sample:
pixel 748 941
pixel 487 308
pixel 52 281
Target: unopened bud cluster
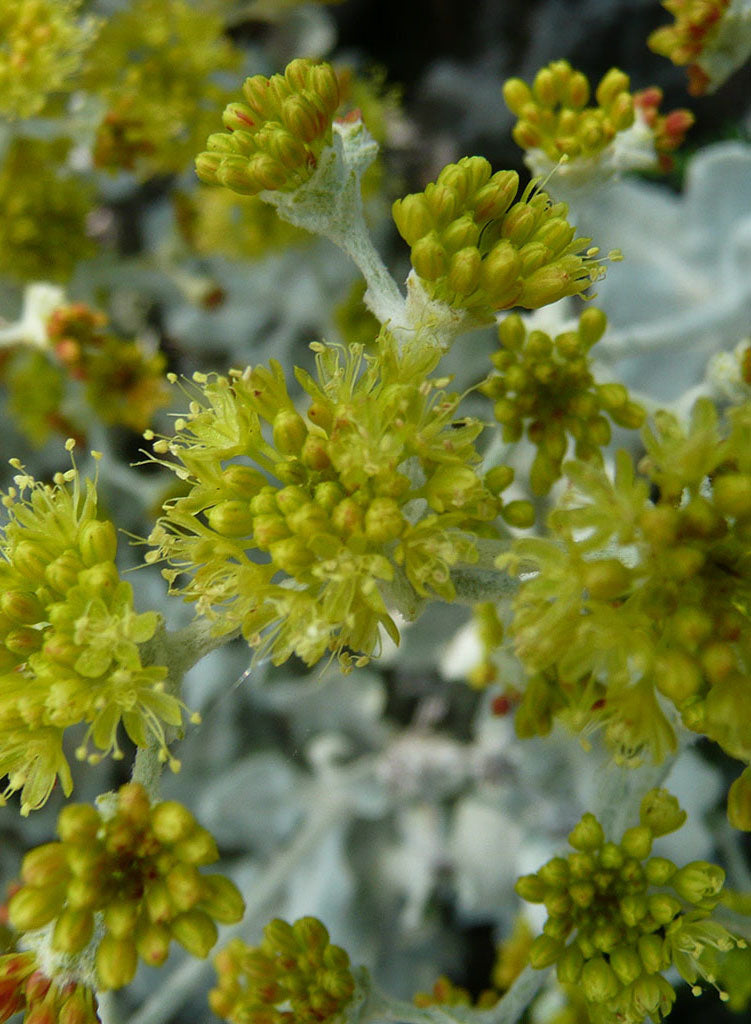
pixel 295 975
pixel 618 918
pixel 545 387
pixel 130 881
pixel 273 140
pixel 662 584
pixel 26 989
pixel 377 479
pixel 553 114
pixel 693 31
pixel 69 637
pixel 477 248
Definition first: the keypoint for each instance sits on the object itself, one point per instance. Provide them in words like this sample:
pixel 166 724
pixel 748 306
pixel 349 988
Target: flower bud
pixel 544 951
pixel 412 218
pixel 428 258
pixel 31 908
pixel 587 835
pixel 739 802
pixel 198 848
pixel 598 982
pixel 78 823
pixel 231 518
pixel 221 899
pixel 660 812
pixel 637 842
pixel 652 953
pixel 195 931
pixel 499 274
pixel 45 866
pixel 516 95
pixel 659 870
pixel 98 542
pixel 152 943
pixel 698 881
pixel 613 83
pixel 626 964
pixel 464 271
pixel 530 888
pixel 73 930
pixel 116 961
pixel 172 822
pixel 569 965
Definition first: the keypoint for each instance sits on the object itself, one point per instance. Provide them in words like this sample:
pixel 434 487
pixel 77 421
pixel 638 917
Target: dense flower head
pixel 296 543
pixel 70 638
pixel 476 248
pixel 640 603
pixel 553 114
pixel 695 27
pixel 24 988
pixel 155 66
pixel 274 139
pixel 43 211
pixel 618 918
pixel 42 45
pixel 545 387
pixel 623 131
pixel 295 976
pixel 127 879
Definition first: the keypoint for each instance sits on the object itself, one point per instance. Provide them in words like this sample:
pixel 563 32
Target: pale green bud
pixel 739 802
pixel 587 835
pixel 637 842
pixel 659 870
pixel 428 258
pixel 569 965
pixel 660 812
pixel 231 518
pixel 221 899
pixel 626 964
pixel 544 951
pixel 698 881
pixel 598 982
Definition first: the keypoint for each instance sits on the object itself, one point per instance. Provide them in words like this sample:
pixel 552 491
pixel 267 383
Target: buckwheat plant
pixel 396 501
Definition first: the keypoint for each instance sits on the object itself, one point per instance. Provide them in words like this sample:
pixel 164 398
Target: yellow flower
pixel 70 638
pixel 298 546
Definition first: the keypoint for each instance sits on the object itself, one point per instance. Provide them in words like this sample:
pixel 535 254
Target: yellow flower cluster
pixel 42 45
pixel 611 900
pixel 477 249
pixel 553 114
pixel 295 976
pixel 696 23
pixel 69 638
pixel 275 138
pixel 137 871
pixel 375 487
pixel 24 988
pixel 43 210
pixel 545 387
pixel 155 66
pixel 634 594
